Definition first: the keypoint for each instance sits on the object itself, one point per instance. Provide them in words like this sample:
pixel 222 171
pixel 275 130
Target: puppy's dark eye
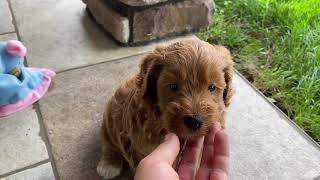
pixel 212 88
pixel 173 87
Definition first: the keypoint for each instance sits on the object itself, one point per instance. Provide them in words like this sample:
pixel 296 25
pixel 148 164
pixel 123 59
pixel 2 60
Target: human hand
pixel 214 163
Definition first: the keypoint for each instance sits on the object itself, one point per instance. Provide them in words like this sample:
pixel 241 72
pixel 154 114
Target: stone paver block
pixel 142 2
pixel 72 113
pixel 5 18
pixel 138 25
pixel 63 36
pixel 116 24
pixel 20 142
pixel 264 144
pixel 41 172
pixel 172 18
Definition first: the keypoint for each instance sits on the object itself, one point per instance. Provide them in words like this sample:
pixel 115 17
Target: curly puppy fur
pixel 184 79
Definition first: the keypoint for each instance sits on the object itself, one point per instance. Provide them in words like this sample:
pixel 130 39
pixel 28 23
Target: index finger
pixel 220 168
pixel 215 152
pixel 166 151
pixel 190 159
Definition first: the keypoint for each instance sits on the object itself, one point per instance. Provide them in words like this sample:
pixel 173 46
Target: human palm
pixel 214 161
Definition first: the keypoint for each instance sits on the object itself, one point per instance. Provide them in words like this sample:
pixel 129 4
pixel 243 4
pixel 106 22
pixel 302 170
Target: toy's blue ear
pixel 16 48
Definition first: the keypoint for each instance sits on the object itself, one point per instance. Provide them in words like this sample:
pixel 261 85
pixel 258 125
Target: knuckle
pixel 144 162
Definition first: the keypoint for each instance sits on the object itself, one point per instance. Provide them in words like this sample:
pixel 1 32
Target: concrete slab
pixel 41 172
pixel 63 36
pixel 20 142
pixel 7 37
pixel 264 145
pixel 6 24
pixel 72 113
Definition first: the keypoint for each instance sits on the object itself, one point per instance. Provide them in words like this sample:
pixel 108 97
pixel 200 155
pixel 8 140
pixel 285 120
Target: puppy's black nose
pixel 193 122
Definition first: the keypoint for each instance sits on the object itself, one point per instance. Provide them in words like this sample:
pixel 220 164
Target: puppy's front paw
pixel 108 171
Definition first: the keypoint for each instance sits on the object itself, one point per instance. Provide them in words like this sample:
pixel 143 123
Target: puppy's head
pixel 189 84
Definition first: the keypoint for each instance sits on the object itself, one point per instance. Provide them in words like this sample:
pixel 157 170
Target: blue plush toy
pixel 20 86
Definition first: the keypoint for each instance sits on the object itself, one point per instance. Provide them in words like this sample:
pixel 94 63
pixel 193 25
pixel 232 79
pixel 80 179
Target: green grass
pixel 276 45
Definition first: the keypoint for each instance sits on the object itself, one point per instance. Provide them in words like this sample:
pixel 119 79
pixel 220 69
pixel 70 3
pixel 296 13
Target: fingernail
pixel 168 136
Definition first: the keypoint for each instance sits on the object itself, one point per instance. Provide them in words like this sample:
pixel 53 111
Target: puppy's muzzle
pixel 193 122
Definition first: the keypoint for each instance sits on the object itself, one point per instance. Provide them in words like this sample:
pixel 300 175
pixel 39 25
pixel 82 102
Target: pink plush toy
pixel 20 86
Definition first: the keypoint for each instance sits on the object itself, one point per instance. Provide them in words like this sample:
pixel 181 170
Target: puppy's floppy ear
pixel 228 91
pixel 150 69
pixel 228 74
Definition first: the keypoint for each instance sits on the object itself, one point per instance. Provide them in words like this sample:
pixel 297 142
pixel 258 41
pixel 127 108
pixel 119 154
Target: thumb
pixel 167 151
